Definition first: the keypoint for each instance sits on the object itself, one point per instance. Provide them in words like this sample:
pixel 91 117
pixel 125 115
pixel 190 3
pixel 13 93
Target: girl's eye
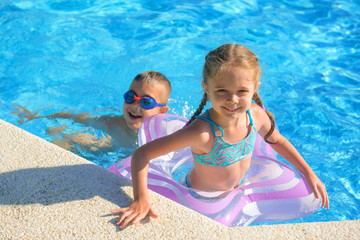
pixel 221 91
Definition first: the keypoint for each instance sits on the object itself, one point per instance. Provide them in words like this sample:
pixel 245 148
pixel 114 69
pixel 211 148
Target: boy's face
pixel 134 114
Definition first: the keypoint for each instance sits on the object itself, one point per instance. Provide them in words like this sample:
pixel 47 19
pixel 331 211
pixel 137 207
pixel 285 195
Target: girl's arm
pixel 288 152
pixel 141 207
pixel 283 147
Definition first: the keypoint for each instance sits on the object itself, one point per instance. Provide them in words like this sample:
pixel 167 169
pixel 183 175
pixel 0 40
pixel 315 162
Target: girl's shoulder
pixel 201 136
pixel 258 115
pixel 263 122
pixel 256 110
pixel 201 128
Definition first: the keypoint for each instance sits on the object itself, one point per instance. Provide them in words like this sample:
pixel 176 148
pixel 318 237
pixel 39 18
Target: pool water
pixel 80 56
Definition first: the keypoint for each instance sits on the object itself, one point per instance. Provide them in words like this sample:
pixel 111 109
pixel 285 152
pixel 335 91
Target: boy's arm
pixel 103 123
pixel 83 118
pixel 26 115
pixel 23 113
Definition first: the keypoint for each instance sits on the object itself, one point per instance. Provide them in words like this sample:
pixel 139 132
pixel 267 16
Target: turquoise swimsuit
pixel 223 154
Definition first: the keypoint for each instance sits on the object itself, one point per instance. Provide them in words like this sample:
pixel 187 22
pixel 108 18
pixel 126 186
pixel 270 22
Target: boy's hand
pixel 134 213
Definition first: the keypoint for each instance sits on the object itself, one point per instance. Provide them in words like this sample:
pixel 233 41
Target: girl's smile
pixel 231 109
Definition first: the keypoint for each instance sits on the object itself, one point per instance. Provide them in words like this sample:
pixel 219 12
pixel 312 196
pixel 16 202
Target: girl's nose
pixel 233 98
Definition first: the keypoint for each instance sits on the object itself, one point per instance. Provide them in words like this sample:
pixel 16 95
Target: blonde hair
pixel 154 78
pixel 221 59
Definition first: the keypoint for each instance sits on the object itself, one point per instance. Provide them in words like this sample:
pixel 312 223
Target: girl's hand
pixel 134 213
pixel 318 188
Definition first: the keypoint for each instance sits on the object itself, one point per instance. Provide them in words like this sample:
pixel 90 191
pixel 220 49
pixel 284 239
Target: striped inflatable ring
pixel 270 192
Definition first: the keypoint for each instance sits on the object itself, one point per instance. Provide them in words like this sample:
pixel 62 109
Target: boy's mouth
pixel 134 116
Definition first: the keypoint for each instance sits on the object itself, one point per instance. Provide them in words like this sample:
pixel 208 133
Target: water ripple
pixel 83 54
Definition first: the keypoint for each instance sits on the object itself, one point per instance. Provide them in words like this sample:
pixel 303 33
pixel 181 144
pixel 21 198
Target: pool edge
pixel 49 192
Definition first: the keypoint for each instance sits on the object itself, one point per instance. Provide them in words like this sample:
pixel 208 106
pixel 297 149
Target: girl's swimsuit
pixel 224 154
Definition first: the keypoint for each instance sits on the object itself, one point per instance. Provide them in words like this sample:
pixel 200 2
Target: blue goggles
pixel 146 102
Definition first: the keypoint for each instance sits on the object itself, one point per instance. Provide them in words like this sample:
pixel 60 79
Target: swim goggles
pixel 146 102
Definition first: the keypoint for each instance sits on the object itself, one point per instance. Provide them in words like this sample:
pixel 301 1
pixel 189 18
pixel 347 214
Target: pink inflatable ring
pixel 270 192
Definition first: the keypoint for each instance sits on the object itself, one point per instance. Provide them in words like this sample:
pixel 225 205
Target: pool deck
pixel 47 192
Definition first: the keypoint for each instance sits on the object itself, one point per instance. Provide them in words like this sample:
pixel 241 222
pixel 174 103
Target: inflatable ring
pixel 270 192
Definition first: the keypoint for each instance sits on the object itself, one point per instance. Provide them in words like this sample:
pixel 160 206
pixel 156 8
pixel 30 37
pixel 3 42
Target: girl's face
pixel 231 92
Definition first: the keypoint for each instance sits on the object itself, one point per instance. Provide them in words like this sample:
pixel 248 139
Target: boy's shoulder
pixel 111 120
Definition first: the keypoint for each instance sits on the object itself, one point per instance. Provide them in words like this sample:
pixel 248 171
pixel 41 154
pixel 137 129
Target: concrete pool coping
pixel 47 192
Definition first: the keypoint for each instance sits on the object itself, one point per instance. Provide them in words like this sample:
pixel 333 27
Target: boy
pixel 148 95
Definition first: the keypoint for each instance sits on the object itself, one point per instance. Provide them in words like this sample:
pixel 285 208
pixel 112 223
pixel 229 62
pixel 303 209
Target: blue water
pixel 81 56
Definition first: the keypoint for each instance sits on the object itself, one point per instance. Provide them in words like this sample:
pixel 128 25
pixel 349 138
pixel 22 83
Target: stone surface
pixel 47 192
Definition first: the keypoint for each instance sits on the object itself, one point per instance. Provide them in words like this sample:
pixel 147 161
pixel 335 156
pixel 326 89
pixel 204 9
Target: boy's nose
pixel 136 105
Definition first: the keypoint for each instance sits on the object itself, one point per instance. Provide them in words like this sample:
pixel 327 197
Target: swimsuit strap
pixel 208 119
pixel 251 121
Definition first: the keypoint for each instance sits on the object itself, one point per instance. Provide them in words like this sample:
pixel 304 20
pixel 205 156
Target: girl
pixel 222 139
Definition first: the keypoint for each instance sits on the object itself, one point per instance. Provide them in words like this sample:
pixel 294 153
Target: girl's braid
pixel 258 101
pixel 200 108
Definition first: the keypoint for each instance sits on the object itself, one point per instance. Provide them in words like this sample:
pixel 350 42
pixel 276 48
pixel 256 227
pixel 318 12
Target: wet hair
pixel 227 56
pixel 154 78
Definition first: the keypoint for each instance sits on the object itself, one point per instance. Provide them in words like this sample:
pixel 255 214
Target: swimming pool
pixel 81 55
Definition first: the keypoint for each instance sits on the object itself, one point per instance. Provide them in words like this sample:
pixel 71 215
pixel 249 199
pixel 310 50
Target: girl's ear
pixel 257 86
pixel 205 87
